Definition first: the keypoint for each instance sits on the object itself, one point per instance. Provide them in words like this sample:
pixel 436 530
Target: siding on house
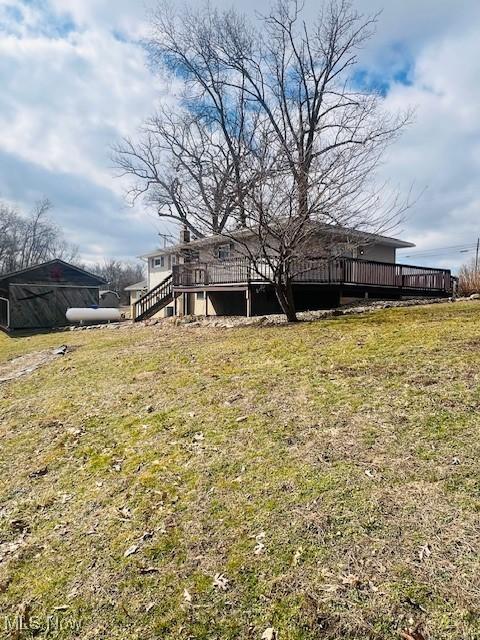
pixel 158 272
pixel 378 252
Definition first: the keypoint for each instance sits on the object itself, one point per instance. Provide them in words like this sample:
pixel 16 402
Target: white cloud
pixel 65 100
pixel 127 16
pixel 441 150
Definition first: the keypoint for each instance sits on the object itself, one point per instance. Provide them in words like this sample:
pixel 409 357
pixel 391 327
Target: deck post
pixel 206 304
pixel 248 298
pixel 175 309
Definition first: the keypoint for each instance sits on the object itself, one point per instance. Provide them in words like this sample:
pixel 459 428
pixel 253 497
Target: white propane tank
pixel 93 314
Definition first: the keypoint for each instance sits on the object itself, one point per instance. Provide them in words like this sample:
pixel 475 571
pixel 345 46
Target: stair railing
pixel 153 298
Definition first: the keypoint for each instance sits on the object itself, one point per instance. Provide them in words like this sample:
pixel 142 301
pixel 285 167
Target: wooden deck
pixel 341 271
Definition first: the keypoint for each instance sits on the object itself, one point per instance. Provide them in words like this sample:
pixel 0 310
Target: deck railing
pixel 315 270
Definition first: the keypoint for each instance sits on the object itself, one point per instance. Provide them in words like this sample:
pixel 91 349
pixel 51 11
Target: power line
pixel 458 248
pixel 453 246
pixel 445 252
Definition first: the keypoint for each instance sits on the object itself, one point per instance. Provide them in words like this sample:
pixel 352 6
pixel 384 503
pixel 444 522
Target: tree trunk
pixel 284 293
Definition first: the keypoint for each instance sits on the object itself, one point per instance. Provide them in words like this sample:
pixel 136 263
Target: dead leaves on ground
pixel 148 535
pixel 131 550
pixel 296 556
pixel 220 582
pixel 10 548
pixel 350 581
pixel 260 545
pixel 412 634
pixel 425 552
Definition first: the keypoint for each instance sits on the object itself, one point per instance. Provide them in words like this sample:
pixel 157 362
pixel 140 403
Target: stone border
pixel 230 322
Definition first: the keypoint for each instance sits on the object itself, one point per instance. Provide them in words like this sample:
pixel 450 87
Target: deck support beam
pixel 248 298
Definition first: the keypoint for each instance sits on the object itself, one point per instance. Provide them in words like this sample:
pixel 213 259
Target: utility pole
pixel 476 255
pixel 166 237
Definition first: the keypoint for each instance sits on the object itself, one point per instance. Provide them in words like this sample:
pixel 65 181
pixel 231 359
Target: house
pixel 212 276
pixel 136 291
pixel 38 297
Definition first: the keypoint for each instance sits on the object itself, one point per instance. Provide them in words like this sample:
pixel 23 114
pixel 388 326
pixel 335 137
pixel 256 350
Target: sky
pixel 74 81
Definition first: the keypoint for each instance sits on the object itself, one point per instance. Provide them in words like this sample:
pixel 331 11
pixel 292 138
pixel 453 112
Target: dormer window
pixel 158 262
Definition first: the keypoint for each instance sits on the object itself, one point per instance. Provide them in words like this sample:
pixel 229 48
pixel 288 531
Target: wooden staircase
pixel 153 301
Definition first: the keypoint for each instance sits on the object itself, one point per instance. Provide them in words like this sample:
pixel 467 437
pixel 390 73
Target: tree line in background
pixel 119 274
pixel 26 240
pixel 272 132
pixel 30 239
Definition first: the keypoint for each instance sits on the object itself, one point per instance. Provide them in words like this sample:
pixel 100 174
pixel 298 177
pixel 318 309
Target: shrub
pixel 469 279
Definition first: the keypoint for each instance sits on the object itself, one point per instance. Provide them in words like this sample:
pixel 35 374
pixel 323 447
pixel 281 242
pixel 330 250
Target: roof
pixel 138 286
pixel 51 263
pixel 208 240
pixel 159 252
pixel 391 242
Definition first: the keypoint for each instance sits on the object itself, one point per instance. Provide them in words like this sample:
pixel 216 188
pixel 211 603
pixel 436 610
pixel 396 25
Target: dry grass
pixel 328 471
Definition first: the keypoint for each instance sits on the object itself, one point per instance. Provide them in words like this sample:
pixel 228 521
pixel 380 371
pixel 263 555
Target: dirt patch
pixel 24 365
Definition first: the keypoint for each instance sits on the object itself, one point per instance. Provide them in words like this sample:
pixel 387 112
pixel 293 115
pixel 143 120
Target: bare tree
pixel 189 162
pixel 119 275
pixel 8 237
pixel 296 142
pixel 469 278
pixel 183 169
pixel 29 240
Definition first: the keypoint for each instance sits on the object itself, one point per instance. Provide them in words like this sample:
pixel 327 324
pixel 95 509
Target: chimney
pixel 184 235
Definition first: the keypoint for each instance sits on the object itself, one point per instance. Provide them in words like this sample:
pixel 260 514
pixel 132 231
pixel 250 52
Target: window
pixel 158 262
pixel 223 252
pixel 191 255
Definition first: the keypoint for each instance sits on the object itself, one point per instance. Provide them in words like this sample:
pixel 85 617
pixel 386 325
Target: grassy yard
pixel 321 480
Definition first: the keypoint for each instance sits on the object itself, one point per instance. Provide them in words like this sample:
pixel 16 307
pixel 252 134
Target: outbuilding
pixel 38 297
